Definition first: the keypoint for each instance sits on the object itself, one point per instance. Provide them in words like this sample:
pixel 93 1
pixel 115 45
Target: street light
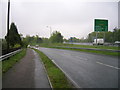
pixel 50 29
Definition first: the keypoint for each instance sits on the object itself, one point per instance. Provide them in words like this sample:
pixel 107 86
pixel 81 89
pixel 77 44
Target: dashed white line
pixel 107 65
pixel 81 58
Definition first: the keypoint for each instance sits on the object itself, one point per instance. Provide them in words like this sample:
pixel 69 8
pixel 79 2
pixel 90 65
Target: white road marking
pixel 66 74
pixel 107 65
pixel 81 58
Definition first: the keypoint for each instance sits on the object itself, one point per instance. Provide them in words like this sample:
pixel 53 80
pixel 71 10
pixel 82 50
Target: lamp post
pixel 50 29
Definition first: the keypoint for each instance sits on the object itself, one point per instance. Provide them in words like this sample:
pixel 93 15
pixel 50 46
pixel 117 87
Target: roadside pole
pixel 104 36
pixel 96 37
pixel 8 25
pixel 50 29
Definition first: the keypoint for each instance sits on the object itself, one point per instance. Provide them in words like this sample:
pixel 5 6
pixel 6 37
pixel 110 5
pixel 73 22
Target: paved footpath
pixel 27 73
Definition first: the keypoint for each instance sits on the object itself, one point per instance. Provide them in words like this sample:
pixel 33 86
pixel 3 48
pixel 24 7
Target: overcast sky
pixel 71 17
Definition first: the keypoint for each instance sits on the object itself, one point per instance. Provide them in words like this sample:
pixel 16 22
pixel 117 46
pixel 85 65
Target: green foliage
pixel 45 40
pixel 12 36
pixel 38 39
pixel 91 51
pixel 74 39
pixel 56 37
pixel 30 39
pixel 33 40
pixel 64 46
pixel 16 46
pixel 110 37
pixel 81 46
pixel 4 44
pixel 116 35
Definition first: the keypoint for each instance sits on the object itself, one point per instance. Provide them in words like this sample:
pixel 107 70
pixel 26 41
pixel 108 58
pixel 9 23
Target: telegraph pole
pixel 8 16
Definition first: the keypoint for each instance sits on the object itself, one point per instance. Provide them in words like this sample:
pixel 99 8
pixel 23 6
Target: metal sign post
pixel 100 25
pixel 71 40
pixel 96 37
pixel 104 36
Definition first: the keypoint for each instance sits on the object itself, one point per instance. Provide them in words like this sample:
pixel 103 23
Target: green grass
pixel 82 46
pixel 92 51
pixel 85 46
pixel 57 78
pixel 7 64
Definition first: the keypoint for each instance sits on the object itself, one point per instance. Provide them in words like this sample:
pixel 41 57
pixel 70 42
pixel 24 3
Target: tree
pixel 56 37
pixel 45 40
pixel 116 34
pixel 12 36
pixel 110 37
pixel 91 37
pixel 24 43
pixel 4 44
pixel 38 39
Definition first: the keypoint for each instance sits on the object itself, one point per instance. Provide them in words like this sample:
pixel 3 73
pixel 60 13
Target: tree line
pixel 56 37
pixel 110 36
pixel 17 40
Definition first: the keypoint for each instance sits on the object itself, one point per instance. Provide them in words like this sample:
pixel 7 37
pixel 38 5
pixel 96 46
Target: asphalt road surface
pixel 87 70
pixel 27 73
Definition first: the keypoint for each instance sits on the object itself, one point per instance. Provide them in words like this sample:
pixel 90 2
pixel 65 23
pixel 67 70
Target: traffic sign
pixel 100 25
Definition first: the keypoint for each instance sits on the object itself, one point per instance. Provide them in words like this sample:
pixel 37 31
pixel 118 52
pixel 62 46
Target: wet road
pixel 85 69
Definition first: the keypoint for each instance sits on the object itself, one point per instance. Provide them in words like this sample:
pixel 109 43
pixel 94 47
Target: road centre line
pixel 81 58
pixel 107 65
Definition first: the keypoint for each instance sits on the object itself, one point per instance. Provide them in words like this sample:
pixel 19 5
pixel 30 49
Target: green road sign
pixel 100 25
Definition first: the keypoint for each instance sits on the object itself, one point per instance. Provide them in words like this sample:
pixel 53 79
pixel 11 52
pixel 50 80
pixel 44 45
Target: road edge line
pixel 73 82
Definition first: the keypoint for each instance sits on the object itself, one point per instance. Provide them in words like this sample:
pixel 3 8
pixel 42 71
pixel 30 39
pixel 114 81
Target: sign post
pixel 100 25
pixel 96 37
pixel 71 40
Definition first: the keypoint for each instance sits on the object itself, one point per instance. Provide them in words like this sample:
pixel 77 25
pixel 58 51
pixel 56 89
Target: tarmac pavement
pixel 27 73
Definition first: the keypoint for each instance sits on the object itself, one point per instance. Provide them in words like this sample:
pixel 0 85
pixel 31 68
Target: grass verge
pixel 81 46
pixel 57 77
pixel 84 50
pixel 7 64
pixel 91 51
